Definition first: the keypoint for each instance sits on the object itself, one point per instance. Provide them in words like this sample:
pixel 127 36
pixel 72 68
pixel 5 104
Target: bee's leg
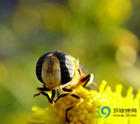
pixel 53 95
pixel 63 95
pixel 37 94
pixel 45 94
pixel 40 89
pixel 43 89
pixel 68 109
pixel 67 90
pixel 87 80
pixel 75 96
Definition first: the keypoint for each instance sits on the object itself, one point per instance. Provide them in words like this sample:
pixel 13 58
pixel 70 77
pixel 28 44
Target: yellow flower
pixel 93 107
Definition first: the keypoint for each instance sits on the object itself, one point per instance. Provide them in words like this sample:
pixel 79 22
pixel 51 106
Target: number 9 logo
pixel 105 113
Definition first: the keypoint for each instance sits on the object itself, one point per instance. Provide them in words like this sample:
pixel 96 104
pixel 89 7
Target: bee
pixel 58 71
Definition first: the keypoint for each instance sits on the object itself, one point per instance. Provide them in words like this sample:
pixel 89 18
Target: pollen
pixel 94 107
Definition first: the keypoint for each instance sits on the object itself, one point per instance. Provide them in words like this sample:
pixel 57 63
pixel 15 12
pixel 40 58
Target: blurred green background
pixel 103 34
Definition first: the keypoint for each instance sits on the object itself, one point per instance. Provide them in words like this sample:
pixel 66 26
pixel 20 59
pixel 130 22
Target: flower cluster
pixel 93 107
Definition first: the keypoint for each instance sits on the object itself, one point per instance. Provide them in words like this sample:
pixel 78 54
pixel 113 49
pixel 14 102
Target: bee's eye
pixel 67 67
pixel 39 66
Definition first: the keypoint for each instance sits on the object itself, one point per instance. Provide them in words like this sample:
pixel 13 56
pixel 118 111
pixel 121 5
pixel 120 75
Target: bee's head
pixel 55 69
